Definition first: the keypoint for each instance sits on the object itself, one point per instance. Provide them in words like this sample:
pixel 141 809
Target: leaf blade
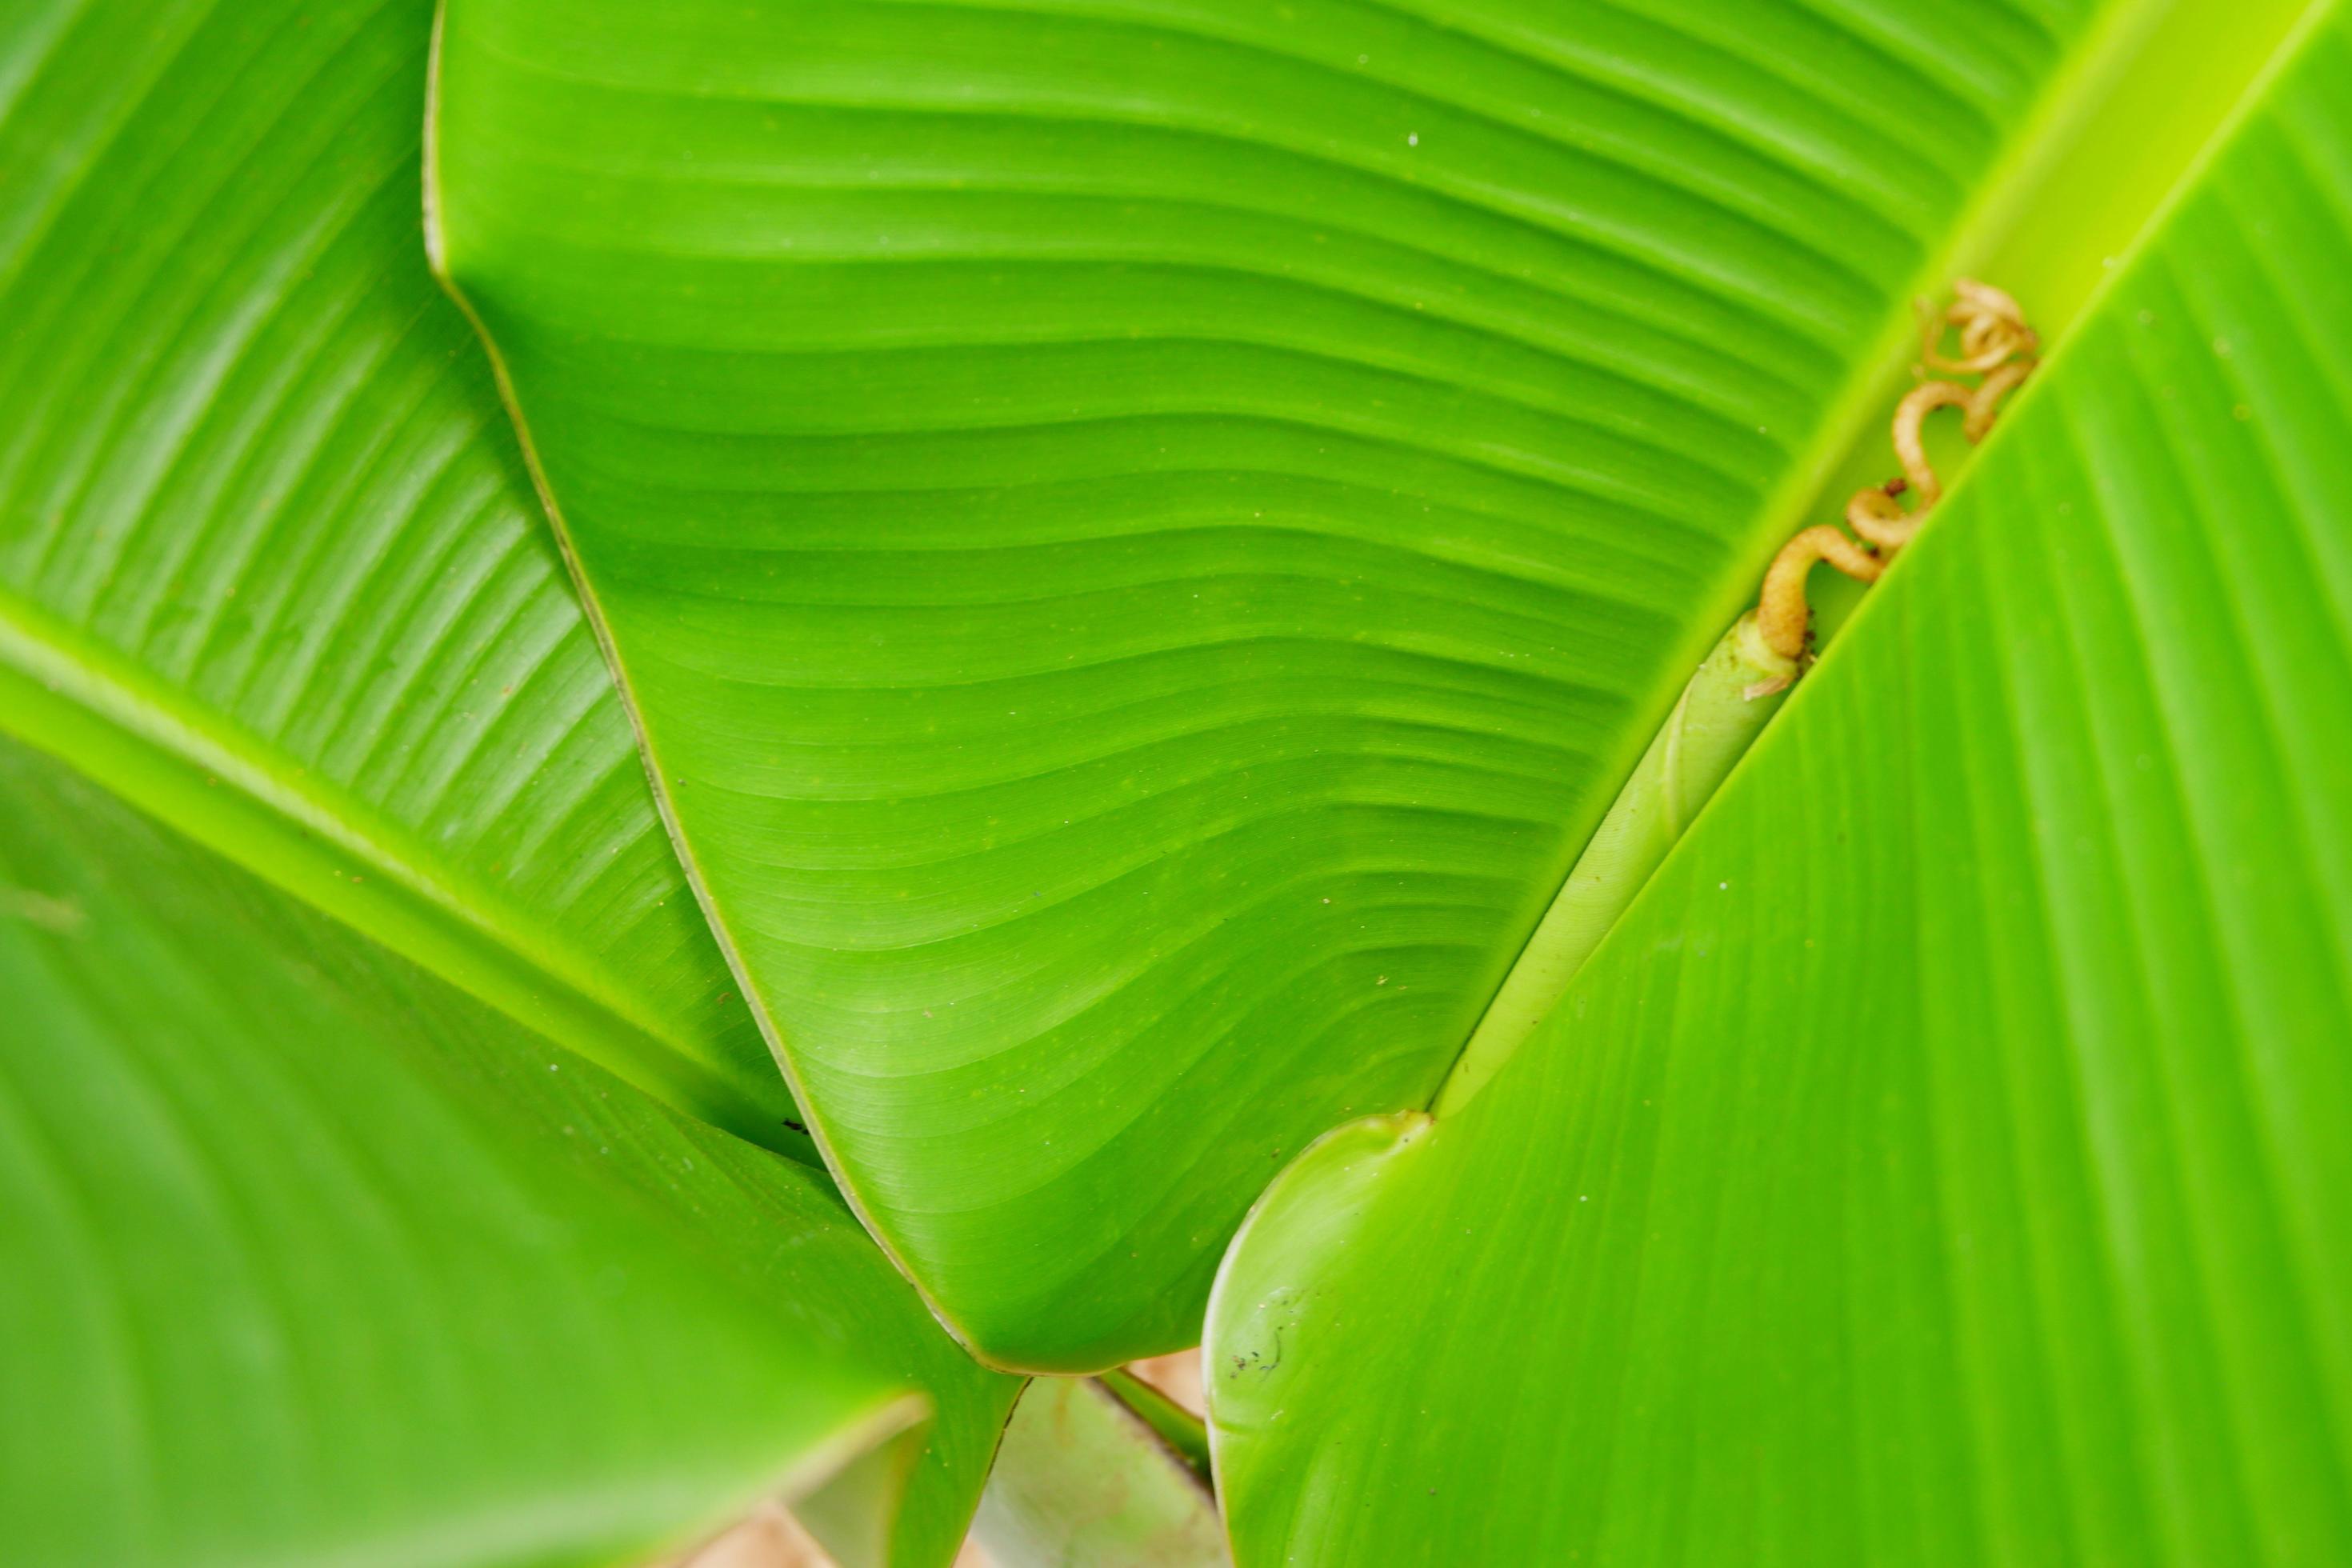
pixel 256 471
pixel 1143 537
pixel 312 1257
pixel 1943 1162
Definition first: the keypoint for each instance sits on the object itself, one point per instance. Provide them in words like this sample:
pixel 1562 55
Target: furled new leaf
pixel 1948 1160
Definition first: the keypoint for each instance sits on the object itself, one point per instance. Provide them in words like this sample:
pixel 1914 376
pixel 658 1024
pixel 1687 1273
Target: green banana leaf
pixel 261 514
pixel 271 568
pixel 312 1259
pixel 1945 1160
pixel 1142 535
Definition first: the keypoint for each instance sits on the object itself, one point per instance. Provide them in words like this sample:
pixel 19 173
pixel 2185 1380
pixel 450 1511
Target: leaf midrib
pixel 68 694
pixel 2023 195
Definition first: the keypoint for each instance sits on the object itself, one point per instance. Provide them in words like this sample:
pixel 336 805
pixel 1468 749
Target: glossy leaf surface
pixel 311 1259
pixel 259 504
pixel 1949 1158
pixel 1144 536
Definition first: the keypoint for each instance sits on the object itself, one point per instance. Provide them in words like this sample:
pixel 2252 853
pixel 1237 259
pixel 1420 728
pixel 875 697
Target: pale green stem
pixel 1081 1479
pixel 1178 1427
pixel 1739 687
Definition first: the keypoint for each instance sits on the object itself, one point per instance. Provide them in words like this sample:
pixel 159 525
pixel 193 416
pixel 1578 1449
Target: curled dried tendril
pixel 1985 406
pixel 1992 329
pixel 1910 445
pixel 1995 345
pixel 1877 516
pixel 1781 613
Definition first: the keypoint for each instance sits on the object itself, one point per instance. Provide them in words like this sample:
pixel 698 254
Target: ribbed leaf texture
pixel 254 473
pixel 1144 533
pixel 311 1259
pixel 1946 1161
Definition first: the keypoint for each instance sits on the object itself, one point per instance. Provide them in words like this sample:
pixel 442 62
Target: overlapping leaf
pixel 1144 533
pixel 311 1259
pixel 1950 1159
pixel 307 1257
pixel 259 508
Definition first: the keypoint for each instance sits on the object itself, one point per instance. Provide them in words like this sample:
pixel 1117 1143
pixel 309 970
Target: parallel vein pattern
pixel 1950 1159
pixel 1144 532
pixel 311 1259
pixel 248 448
